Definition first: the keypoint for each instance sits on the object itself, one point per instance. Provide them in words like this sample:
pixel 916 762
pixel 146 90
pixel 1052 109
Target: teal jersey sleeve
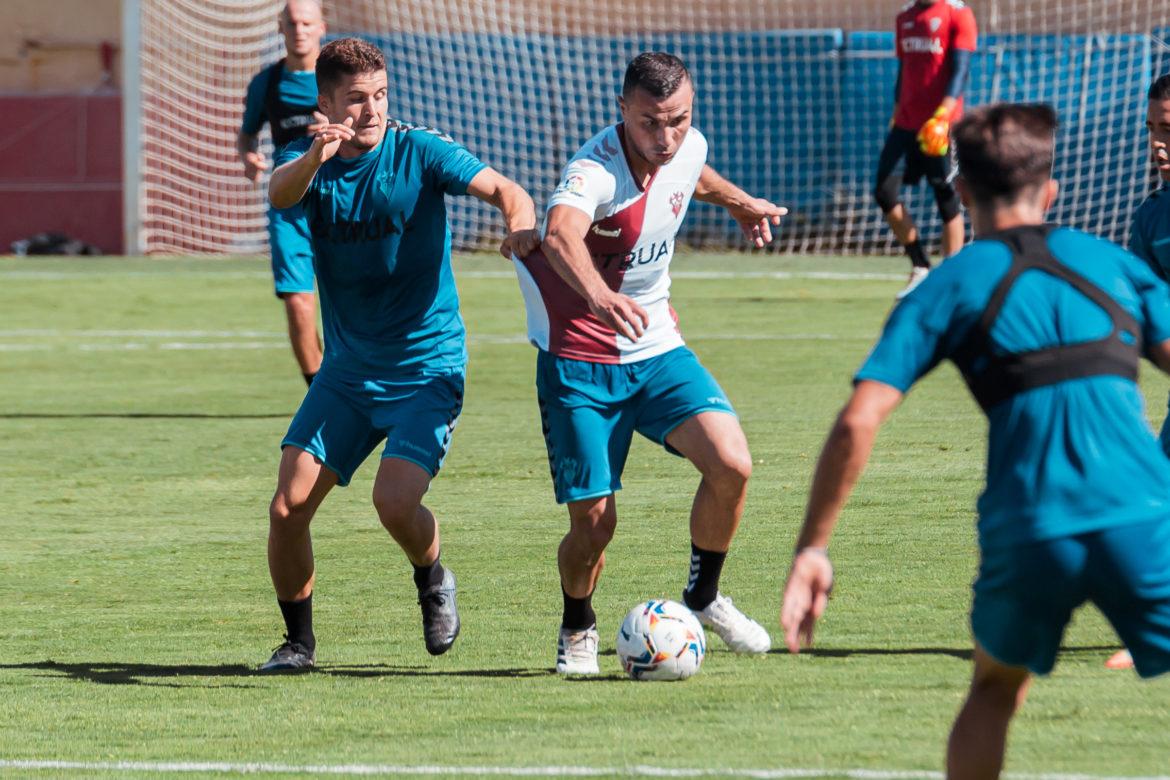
pixel 1137 242
pixel 254 117
pixel 290 152
pixel 448 164
pixel 925 327
pixel 1154 295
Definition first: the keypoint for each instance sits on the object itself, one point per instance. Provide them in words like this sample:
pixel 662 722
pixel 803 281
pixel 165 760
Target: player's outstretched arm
pixel 842 460
pixel 755 216
pixel 515 204
pixel 291 181
pixel 564 246
pixel 248 146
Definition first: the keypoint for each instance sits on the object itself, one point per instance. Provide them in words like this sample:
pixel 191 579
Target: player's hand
pixel 805 597
pixel 327 141
pixel 254 166
pixel 621 313
pixel 1161 157
pixel 320 122
pixel 520 243
pixel 934 137
pixel 756 218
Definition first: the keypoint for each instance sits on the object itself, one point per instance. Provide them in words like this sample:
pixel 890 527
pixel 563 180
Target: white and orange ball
pixel 661 640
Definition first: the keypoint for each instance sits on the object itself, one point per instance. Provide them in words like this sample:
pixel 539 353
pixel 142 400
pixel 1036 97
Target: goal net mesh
pixel 793 96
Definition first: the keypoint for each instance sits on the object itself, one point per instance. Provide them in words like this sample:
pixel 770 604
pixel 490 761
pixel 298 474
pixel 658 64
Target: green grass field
pixel 141 407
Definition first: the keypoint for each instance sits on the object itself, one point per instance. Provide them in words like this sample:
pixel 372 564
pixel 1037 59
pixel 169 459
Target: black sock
pixel 578 613
pixel 298 621
pixel 917 254
pixel 426 576
pixel 703 586
pixel 309 378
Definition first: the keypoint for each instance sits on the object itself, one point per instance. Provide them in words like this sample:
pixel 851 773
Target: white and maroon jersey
pixel 631 241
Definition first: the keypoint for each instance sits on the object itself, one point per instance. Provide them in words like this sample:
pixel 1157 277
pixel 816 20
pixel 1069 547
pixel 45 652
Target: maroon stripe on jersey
pixel 574 332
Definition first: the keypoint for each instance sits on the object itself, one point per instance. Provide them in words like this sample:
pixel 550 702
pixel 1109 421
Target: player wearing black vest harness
pixel 1047 326
pixel 284 95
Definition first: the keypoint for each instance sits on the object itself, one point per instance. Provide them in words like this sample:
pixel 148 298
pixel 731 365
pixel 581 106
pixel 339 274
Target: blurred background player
pixel 1048 326
pixel 935 40
pixel 612 360
pixel 395 354
pixel 285 96
pixel 1149 235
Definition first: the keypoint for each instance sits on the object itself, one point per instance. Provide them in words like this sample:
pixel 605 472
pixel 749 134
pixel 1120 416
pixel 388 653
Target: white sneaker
pixel 917 275
pixel 577 651
pixel 738 631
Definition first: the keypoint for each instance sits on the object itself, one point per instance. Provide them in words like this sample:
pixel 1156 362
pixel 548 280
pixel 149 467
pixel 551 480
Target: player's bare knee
pixel 730 472
pixel 285 515
pixel 592 525
pixel 395 507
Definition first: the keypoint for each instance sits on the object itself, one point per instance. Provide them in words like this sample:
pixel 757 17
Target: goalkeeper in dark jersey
pixel 285 96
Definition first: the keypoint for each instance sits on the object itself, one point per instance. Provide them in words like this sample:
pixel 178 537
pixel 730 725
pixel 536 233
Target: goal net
pixel 794 97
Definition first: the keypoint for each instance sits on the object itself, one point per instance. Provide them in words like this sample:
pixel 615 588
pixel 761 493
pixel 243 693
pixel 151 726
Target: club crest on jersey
pixel 676 202
pixel 935 23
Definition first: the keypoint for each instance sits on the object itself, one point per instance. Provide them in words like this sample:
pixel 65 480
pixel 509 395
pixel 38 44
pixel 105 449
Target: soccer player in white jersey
pixel 611 358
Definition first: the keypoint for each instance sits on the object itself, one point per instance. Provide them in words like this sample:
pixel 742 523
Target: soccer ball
pixel 661 640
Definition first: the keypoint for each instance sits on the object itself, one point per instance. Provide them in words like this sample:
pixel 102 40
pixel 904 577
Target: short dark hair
pixel 346 57
pixel 1006 149
pixel 1160 89
pixel 657 72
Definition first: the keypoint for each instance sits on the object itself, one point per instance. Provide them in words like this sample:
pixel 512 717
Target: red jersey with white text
pixel 631 241
pixel 924 37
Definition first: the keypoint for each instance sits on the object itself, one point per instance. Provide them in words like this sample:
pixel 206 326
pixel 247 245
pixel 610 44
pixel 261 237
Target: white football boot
pixel 917 274
pixel 577 651
pixel 738 631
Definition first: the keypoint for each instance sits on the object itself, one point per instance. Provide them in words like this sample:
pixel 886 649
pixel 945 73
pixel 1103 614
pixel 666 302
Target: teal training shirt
pixel 382 250
pixel 1149 235
pixel 296 88
pixel 1064 459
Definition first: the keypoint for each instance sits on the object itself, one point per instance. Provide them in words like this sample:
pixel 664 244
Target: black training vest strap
pixel 994 378
pixel 286 120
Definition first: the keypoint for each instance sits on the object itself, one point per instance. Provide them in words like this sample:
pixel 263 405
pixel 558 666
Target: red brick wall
pixel 61 168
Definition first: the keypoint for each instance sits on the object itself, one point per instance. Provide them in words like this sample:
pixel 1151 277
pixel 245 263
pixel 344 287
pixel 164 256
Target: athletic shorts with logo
pixel 590 411
pixel 292 250
pixel 344 417
pixel 1025 594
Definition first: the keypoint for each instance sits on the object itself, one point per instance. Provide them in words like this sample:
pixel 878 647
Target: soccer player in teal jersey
pixel 285 96
pixel 374 192
pixel 1149 234
pixel 1047 326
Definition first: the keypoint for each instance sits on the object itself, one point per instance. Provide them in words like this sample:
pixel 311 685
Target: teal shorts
pixel 590 411
pixel 343 419
pixel 1025 595
pixel 292 250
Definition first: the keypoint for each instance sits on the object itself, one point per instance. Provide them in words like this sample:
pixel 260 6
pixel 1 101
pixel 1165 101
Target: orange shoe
pixel 1120 660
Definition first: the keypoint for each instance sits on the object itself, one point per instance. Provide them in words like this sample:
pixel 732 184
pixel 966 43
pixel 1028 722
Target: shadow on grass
pixel 110 673
pixel 140 416
pixel 961 653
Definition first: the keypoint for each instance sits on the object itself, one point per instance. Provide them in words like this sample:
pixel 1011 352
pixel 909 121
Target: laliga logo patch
pixel 574 184
pixel 676 203
pixel 935 23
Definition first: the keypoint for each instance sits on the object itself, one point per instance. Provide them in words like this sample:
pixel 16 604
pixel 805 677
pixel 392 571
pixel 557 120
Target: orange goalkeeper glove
pixel 934 139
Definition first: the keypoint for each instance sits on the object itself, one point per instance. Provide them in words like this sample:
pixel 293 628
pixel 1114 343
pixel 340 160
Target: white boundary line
pixel 248 341
pixel 175 767
pixel 832 276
